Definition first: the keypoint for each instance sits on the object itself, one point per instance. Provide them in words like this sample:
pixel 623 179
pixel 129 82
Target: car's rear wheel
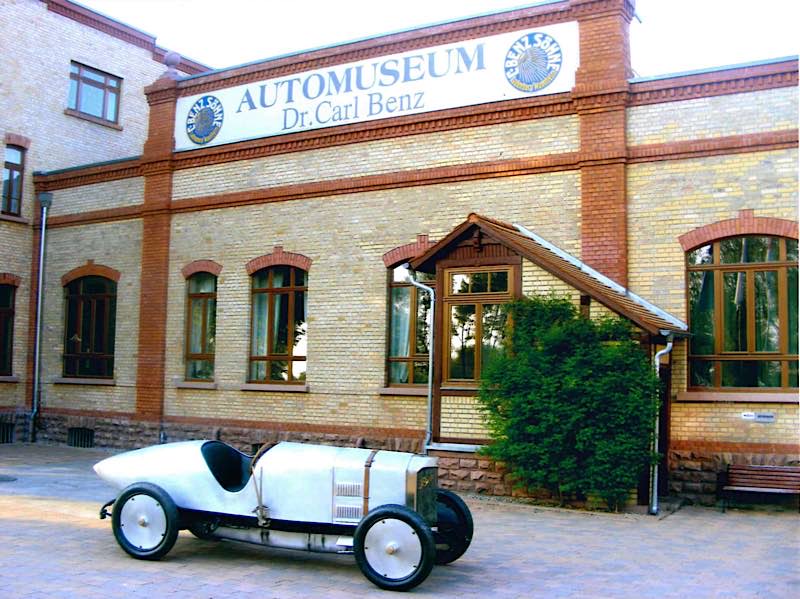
pixel 394 548
pixel 454 527
pixel 145 521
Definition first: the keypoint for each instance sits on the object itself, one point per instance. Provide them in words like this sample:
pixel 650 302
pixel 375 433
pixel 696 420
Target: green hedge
pixel 571 403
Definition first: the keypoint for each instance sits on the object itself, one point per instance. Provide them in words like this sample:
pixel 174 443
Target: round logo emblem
pixel 204 120
pixel 533 62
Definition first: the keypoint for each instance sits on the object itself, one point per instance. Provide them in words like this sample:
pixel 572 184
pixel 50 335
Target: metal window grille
pixel 80 437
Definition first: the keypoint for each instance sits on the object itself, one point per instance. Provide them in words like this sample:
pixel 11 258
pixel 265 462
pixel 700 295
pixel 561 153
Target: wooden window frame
pixel 271 292
pixel 207 356
pixel 109 333
pixel 7 315
pixel 450 299
pixel 413 356
pixel 720 355
pixel 10 168
pixel 81 81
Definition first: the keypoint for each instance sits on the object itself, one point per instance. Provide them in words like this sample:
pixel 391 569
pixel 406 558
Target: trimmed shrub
pixel 570 405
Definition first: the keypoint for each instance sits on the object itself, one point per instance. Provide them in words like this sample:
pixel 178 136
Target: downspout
pixel 45 200
pixel 654 467
pixel 429 425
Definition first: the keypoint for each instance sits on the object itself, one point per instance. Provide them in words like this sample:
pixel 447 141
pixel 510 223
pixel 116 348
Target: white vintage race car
pixel 383 506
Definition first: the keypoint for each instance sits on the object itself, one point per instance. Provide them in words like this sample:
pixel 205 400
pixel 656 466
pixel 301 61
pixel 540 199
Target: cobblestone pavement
pixel 52 544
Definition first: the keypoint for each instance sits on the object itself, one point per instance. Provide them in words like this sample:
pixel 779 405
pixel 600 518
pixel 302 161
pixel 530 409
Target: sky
pixel 673 35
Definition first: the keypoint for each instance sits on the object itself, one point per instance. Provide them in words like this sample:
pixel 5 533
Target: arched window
pixel 201 326
pixel 279 325
pixel 742 306
pixel 407 360
pixel 91 308
pixel 7 293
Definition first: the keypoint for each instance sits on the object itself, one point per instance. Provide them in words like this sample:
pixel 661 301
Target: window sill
pixel 738 396
pixel 196 385
pixel 63 380
pixel 423 391
pixel 459 390
pixel 92 119
pixel 9 379
pixel 278 388
pixel 9 218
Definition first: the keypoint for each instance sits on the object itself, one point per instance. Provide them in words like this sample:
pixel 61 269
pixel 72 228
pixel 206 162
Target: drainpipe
pixel 654 467
pixel 45 200
pixel 429 426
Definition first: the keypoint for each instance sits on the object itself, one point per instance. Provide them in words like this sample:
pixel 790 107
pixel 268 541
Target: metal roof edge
pixel 613 285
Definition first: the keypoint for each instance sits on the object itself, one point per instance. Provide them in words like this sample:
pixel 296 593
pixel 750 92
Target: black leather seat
pixel 229 466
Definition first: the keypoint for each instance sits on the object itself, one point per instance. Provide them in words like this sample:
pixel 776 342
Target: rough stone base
pixel 123 433
pixel 694 475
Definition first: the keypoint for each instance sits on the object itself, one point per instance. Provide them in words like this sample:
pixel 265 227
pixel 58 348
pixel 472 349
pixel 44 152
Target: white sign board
pixel 518 64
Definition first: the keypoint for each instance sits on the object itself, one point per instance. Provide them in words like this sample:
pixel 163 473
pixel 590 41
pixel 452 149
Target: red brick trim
pixel 15 139
pixel 734 144
pixel 7 278
pixel 411 178
pixel 734 447
pixel 278 256
pixel 744 224
pixel 201 266
pixel 534 16
pixel 89 18
pixel 299 427
pixel 90 269
pixel 405 252
pixel 87 413
pixel 715 83
pixel 444 120
pixel 106 215
pixel 101 173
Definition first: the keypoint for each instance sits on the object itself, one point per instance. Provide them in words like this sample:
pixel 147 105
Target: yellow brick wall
pixel 462 419
pixel 537 281
pixel 722 422
pixel 14 240
pixel 117 245
pixel 462 146
pixel 38 60
pixel 716 116
pixel 345 236
pixel 99 196
pixel 668 199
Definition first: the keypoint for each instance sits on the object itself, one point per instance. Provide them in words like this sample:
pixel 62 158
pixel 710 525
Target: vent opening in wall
pixel 80 437
pixel 6 432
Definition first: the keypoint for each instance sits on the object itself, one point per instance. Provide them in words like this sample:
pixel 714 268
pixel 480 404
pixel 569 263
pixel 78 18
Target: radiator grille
pixel 348 489
pixel 80 437
pixel 348 512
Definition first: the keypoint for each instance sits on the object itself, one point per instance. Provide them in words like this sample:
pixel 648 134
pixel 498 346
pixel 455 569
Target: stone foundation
pixel 122 433
pixel 694 474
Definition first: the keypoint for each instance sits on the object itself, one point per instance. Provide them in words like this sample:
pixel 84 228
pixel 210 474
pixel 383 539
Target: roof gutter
pixel 654 467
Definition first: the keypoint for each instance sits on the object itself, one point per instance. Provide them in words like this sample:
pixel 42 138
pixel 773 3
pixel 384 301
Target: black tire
pixel 394 548
pixel 454 527
pixel 147 529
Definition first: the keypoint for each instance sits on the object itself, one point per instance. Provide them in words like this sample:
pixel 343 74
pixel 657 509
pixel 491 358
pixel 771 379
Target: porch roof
pixel 566 267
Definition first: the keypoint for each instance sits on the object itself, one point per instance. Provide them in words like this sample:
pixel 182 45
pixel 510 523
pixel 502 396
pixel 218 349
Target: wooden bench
pixel 784 480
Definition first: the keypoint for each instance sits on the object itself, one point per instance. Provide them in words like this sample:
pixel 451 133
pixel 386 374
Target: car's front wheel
pixel 394 547
pixel 145 521
pixel 454 527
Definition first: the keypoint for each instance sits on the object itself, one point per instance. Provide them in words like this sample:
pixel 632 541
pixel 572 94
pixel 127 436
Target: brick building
pixel 72 84
pixel 243 277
